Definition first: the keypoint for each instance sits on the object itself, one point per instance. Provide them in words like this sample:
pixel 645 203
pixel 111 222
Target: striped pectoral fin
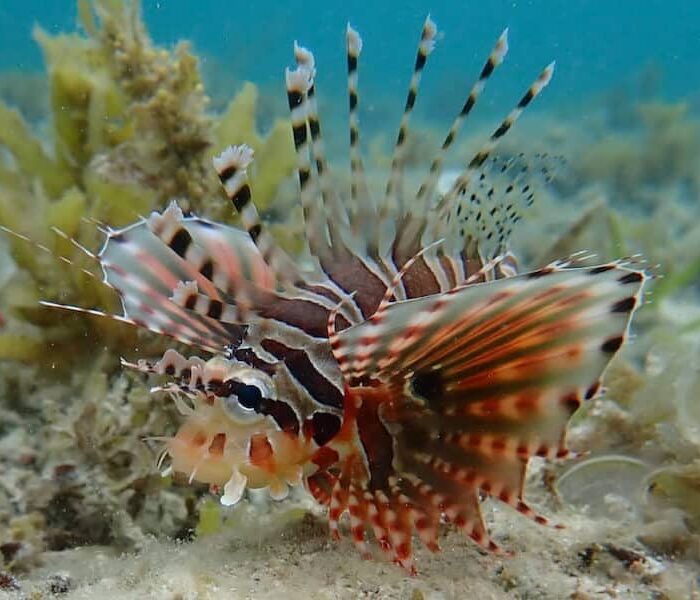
pixel 145 272
pixel 217 257
pixel 481 379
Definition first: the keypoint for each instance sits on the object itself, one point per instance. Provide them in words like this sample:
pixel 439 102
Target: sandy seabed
pixel 588 559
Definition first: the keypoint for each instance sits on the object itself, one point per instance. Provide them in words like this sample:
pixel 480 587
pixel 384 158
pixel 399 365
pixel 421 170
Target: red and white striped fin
pixel 469 384
pixel 186 295
pixel 144 305
pixel 145 272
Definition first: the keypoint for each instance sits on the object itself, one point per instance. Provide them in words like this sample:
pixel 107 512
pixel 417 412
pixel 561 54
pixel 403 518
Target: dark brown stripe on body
pixel 299 313
pixel 303 371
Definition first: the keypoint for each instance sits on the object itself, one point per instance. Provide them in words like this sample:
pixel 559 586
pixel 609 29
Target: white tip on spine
pixel 546 76
pixel 353 39
pixel 304 57
pixel 239 157
pixel 501 47
pixel 183 290
pixel 299 80
pixel 159 222
pixel 429 33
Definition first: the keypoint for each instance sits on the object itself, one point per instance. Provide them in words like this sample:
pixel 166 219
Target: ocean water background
pixel 597 45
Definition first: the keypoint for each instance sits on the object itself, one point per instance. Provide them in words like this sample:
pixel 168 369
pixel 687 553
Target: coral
pixel 129 131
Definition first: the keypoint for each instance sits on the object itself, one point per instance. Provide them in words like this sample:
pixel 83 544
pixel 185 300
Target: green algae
pixel 129 130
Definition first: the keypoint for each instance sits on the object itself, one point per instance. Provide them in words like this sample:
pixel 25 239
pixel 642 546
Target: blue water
pixel 597 44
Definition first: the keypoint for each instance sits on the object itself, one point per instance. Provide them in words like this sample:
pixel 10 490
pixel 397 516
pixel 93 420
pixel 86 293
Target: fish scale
pixel 411 372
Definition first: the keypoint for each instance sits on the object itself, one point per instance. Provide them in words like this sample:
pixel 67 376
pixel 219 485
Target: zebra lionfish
pixel 403 377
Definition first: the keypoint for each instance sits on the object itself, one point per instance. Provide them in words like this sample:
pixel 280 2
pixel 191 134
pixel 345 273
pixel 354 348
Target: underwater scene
pixel 341 300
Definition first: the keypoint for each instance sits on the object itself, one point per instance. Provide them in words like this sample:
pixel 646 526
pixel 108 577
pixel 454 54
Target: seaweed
pixel 663 147
pixel 129 130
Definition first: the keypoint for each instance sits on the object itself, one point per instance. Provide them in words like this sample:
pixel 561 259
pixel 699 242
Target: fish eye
pixel 242 401
pixel 249 396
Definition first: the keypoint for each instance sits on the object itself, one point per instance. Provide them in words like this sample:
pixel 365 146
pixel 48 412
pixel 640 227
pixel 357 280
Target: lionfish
pixel 403 375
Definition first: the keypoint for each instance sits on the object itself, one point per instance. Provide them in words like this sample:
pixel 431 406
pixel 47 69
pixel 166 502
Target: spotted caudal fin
pixel 454 392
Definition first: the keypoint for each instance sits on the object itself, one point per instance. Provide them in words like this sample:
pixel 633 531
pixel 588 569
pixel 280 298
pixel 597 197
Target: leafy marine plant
pixel 129 131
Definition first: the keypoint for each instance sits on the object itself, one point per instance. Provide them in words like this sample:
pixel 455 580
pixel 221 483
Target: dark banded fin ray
pixel 170 229
pixel 187 296
pixel 487 149
pixel 298 82
pixel 362 205
pixel 494 60
pixel 336 215
pixel 409 234
pixel 393 197
pixel 231 166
